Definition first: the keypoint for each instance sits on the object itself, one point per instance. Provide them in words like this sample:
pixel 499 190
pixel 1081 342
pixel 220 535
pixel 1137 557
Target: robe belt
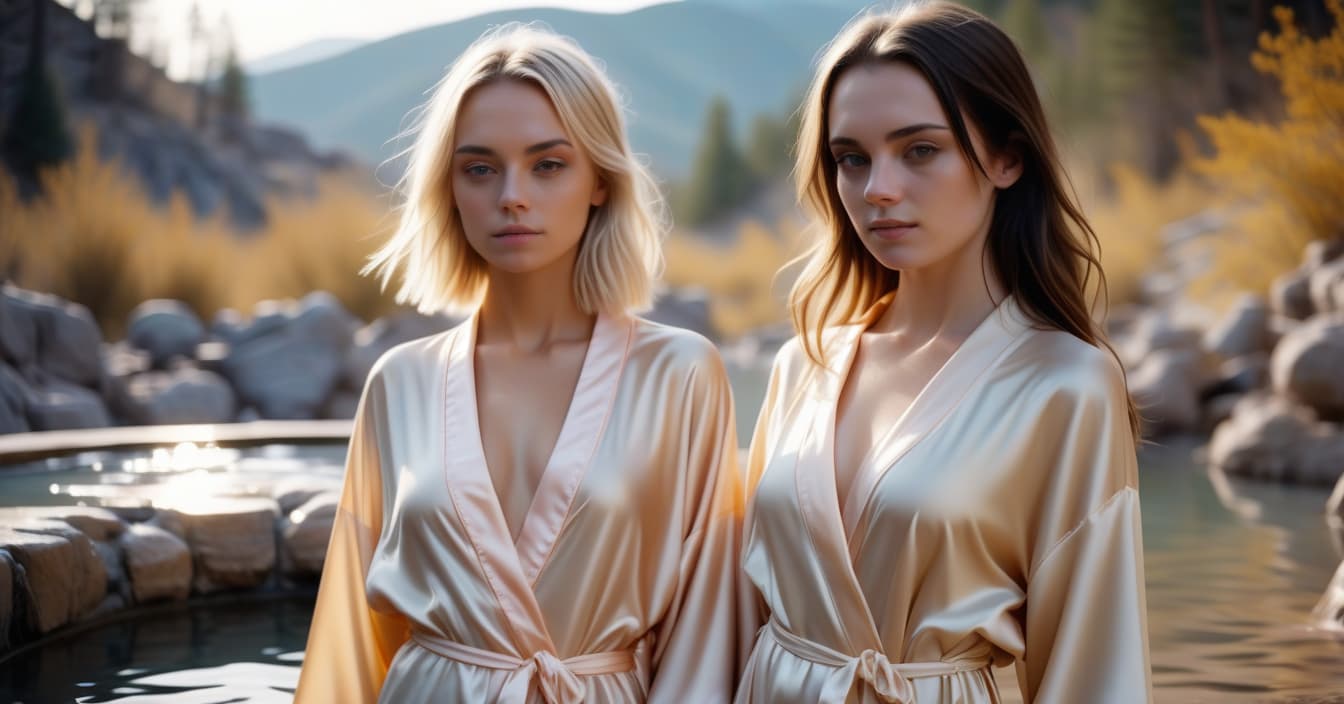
pixel 891 681
pixel 558 680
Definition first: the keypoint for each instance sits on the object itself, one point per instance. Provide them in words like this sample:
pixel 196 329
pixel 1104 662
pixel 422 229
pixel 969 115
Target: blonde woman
pixel 539 504
pixel 944 470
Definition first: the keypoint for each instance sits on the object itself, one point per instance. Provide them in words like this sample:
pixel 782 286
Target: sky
pixel 265 27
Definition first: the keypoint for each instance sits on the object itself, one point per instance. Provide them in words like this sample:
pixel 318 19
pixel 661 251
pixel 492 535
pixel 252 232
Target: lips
pixel 890 229
pixel 518 231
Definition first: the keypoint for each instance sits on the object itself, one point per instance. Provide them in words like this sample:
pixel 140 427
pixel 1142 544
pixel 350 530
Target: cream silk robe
pixel 621 585
pixel 996 520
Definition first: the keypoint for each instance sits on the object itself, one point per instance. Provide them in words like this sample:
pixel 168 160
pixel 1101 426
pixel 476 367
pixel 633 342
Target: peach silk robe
pixel 996 521
pixel 621 584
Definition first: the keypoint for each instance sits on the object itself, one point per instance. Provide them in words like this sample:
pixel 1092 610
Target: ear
pixel 1006 166
pixel 599 195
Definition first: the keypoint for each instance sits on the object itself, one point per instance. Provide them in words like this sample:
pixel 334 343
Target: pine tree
pixel 720 178
pixel 37 134
pixel 233 94
pixel 768 149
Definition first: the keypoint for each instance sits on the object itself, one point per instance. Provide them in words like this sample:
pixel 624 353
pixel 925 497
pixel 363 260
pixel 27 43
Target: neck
pixel 531 310
pixel 946 300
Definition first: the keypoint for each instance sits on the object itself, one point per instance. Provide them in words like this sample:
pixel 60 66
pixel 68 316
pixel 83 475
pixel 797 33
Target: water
pixel 1233 567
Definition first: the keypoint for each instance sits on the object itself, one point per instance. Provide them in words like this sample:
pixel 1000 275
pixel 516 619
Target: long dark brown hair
pixel 1040 245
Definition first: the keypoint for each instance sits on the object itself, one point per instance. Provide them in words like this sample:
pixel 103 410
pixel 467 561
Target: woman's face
pixel 913 197
pixel 522 186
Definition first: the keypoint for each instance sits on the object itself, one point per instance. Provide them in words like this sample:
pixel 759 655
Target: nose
pixel 884 185
pixel 513 191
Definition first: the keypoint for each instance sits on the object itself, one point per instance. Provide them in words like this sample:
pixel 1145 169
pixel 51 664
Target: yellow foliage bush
pixel 740 276
pixel 1291 173
pixel 95 237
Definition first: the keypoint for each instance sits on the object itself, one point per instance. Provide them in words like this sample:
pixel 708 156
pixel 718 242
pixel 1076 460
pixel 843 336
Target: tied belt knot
pixel 557 680
pixel 892 682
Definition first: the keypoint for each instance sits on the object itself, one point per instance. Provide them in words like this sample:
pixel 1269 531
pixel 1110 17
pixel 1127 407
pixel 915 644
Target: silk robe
pixel 620 587
pixel 996 521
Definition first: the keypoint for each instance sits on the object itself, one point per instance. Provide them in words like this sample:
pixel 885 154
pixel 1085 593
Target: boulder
pixel 158 563
pixel 183 395
pixel 1308 365
pixel 165 329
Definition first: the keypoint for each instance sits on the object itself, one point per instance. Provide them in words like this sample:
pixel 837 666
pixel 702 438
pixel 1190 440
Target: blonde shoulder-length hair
pixel 620 255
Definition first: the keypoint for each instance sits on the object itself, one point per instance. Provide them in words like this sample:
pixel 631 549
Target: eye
pixel 477 170
pixel 850 160
pixel 921 152
pixel 549 165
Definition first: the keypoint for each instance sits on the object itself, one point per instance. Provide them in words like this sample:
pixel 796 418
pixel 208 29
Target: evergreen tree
pixel 233 94
pixel 37 134
pixel 720 177
pixel 769 149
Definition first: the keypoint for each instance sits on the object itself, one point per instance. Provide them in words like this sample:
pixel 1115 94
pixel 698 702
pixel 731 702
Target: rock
pixel 375 339
pixel 183 395
pixel 685 308
pixel 1242 331
pixel 1154 331
pixel 165 329
pixel 98 524
pixel 1165 387
pixel 158 563
pixel 110 553
pixel 57 336
pixel 290 370
pixel 65 578
pixel 1306 365
pixel 1290 295
pixel 1321 456
pixel 294 492
pixel 1327 287
pixel 1218 409
pixel 306 532
pixel 1318 253
pixel 1262 438
pixel 61 405
pixel 232 542
pixel 342 405
pixel 1239 376
pixel 13 401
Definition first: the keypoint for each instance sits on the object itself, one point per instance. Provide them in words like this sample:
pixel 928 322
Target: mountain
pixel 308 52
pixel 669 61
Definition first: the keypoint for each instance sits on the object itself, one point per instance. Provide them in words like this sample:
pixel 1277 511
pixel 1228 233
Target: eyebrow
pixel 538 147
pixel 892 135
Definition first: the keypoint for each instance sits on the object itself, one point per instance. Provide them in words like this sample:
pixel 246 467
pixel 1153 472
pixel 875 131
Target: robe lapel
pixel 511 568
pixel 594 397
pixel 814 477
pixel 996 335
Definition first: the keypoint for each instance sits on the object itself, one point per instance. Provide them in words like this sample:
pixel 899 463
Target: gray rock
pixel 232 543
pixel 1327 287
pixel 1320 252
pixel 183 395
pixel 56 336
pixel 13 401
pixel 1263 438
pixel 374 340
pixel 306 532
pixel 1306 365
pixel 158 564
pixel 294 492
pixel 290 369
pixel 61 405
pixel 1321 457
pixel 1165 387
pixel 685 308
pixel 1218 409
pixel 1290 295
pixel 1240 375
pixel 165 329
pixel 110 553
pixel 1242 331
pixel 342 405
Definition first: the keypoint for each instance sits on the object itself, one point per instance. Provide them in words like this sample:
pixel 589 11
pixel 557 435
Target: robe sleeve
pixel 1086 613
pixel 694 655
pixel 350 646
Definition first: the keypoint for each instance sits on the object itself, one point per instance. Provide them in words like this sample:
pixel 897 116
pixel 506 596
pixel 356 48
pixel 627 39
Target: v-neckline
pixel 512 566
pixel 830 524
pixel 940 394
